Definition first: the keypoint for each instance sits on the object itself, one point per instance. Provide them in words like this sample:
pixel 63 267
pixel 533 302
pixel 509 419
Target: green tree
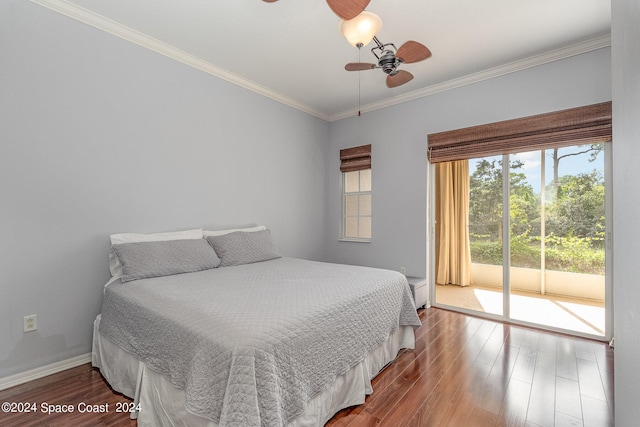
pixel 574 218
pixel 485 203
pixel 578 209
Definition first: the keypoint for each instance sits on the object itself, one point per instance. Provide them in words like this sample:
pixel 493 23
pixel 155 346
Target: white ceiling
pixel 292 51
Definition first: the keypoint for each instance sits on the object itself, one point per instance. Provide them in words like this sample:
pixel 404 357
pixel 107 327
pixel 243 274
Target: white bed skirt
pixel 162 404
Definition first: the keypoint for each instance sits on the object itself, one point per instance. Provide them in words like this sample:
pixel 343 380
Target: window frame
pixel 345 216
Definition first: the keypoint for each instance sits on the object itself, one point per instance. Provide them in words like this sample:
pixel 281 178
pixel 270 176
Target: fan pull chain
pixel 359 72
pixel 359 93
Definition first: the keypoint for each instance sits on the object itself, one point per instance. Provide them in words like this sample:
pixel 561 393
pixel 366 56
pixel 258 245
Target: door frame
pixel 505 317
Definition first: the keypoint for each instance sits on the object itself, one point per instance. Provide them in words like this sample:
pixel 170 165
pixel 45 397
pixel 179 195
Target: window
pixel 356 205
pixel 355 165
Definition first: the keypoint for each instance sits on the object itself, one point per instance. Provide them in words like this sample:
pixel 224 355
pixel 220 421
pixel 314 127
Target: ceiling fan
pixel 345 9
pixel 390 58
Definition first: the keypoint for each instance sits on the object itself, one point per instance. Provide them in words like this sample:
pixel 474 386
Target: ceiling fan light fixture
pixel 360 30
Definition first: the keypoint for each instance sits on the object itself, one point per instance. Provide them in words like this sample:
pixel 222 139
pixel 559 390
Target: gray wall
pixel 100 136
pixel 626 206
pixel 398 136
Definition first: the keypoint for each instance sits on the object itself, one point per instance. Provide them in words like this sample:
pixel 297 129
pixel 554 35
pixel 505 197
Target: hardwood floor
pixel 83 384
pixel 465 371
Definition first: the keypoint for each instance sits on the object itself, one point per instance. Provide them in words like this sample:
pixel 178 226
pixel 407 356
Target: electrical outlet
pixel 403 271
pixel 30 323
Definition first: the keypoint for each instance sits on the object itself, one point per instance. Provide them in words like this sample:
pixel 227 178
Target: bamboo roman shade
pixel 577 126
pixel 355 159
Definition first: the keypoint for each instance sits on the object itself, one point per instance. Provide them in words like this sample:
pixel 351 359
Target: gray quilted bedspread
pixel 252 344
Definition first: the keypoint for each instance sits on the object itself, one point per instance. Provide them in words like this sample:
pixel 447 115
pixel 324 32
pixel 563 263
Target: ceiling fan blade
pixel 270 1
pixel 347 9
pixel 413 51
pixel 398 79
pixel 359 66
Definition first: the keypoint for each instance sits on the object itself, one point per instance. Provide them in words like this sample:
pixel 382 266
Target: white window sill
pixel 345 239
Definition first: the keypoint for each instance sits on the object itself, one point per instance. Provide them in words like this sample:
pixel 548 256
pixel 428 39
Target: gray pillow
pixel 153 259
pixel 242 247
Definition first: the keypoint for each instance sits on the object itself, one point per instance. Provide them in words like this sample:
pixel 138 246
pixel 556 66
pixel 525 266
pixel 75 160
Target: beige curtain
pixel 453 254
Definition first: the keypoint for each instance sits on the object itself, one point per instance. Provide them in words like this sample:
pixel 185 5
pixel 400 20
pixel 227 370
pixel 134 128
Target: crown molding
pixel 105 24
pixel 100 22
pixel 512 67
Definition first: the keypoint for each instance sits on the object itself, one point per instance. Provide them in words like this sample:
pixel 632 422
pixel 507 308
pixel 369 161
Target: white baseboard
pixel 34 374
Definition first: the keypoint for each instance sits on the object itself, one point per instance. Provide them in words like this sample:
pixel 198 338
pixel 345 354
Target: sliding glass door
pixel 558 249
pixel 536 236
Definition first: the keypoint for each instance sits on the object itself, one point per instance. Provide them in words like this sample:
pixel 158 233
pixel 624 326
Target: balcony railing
pixel 572 285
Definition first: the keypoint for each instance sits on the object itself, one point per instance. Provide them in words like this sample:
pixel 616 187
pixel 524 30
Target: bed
pixel 256 340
